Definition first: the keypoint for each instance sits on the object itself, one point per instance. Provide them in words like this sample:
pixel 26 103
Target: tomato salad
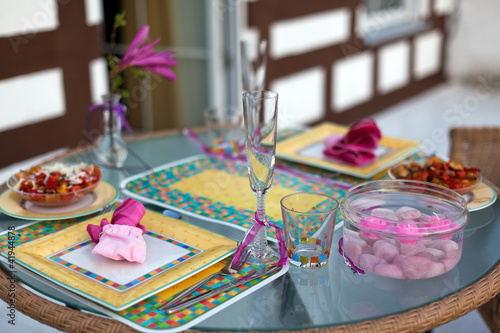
pixel 57 184
pixel 450 174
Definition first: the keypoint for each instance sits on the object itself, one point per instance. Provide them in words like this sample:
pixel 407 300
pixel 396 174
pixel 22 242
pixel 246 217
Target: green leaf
pixel 120 19
pixel 111 62
pixel 125 93
pixel 117 82
pixel 137 73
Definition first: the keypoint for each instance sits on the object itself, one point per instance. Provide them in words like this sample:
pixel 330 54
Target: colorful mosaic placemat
pixel 307 148
pixel 76 259
pixel 144 315
pixel 33 256
pixel 218 190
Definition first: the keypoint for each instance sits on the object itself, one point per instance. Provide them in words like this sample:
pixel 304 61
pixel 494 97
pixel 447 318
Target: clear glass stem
pixel 260 248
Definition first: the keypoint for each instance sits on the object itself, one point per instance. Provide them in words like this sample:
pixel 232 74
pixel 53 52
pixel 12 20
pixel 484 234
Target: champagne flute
pixel 260 117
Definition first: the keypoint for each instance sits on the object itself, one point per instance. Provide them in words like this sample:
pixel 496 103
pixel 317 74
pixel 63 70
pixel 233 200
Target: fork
pixel 228 270
pixel 106 209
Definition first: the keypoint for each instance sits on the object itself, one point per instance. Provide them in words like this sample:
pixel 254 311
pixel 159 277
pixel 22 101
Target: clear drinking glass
pixel 309 222
pixel 260 117
pixel 223 129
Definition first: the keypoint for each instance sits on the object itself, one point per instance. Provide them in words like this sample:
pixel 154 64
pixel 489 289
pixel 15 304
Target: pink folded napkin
pixel 122 238
pixel 357 146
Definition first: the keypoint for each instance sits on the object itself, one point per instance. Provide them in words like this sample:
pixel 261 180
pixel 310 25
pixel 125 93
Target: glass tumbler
pixel 309 221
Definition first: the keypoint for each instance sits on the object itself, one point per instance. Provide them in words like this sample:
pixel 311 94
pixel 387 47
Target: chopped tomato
pixel 450 174
pixel 51 183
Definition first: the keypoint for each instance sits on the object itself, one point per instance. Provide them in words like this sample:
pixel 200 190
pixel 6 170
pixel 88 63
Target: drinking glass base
pixel 263 257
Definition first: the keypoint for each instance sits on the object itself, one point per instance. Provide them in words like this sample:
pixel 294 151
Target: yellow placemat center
pixel 232 190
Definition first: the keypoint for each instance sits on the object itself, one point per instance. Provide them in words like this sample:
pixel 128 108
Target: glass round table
pixel 331 298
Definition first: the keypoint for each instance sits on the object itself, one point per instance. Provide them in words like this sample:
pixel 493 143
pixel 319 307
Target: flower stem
pixel 112 73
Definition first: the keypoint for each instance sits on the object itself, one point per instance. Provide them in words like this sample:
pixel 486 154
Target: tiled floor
pixel 428 118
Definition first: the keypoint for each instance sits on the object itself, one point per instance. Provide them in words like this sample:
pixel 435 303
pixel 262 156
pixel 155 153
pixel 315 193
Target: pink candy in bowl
pixel 404 229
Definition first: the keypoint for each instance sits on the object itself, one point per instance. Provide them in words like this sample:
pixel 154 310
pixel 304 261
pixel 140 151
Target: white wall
pixel 47 98
pixel 474 45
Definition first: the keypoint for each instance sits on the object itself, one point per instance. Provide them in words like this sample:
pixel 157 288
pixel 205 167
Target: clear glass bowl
pixel 404 229
pixel 51 200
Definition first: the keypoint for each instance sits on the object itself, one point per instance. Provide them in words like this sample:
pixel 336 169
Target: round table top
pixel 330 298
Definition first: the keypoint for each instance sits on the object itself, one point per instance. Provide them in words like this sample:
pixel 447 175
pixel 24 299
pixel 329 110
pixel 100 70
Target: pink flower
pixel 145 56
pixel 372 224
pixel 440 224
pixel 408 229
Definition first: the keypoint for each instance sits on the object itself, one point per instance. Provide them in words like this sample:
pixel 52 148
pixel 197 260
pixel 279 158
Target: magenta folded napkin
pixel 357 146
pixel 122 238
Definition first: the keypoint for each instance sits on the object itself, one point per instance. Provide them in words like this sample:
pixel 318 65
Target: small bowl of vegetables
pixel 55 185
pixel 451 174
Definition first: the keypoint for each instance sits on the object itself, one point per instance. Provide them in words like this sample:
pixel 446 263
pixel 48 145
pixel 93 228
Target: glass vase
pixel 110 149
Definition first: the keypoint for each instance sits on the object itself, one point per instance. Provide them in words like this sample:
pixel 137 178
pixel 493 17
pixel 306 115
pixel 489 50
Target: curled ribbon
pixel 118 108
pixel 252 232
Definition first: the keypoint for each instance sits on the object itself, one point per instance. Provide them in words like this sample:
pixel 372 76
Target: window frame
pixel 383 25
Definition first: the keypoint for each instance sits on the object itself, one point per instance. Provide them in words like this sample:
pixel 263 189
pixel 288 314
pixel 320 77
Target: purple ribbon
pixel 346 258
pixel 119 108
pixel 252 232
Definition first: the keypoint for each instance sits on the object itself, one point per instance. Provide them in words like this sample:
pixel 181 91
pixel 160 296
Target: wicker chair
pixel 480 147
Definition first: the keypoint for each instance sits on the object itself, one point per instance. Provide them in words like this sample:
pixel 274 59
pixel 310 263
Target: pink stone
pixel 385 250
pixel 444 245
pixel 415 267
pixel 390 271
pixel 349 237
pixel 368 237
pixel 384 213
pixel 423 218
pixel 350 233
pixel 391 240
pixel 456 254
pixel 368 262
pixel 353 251
pixel 426 242
pixel 408 213
pixel 435 269
pixel 412 249
pixel 449 264
pixel 398 259
pixel 432 254
pixel 368 250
